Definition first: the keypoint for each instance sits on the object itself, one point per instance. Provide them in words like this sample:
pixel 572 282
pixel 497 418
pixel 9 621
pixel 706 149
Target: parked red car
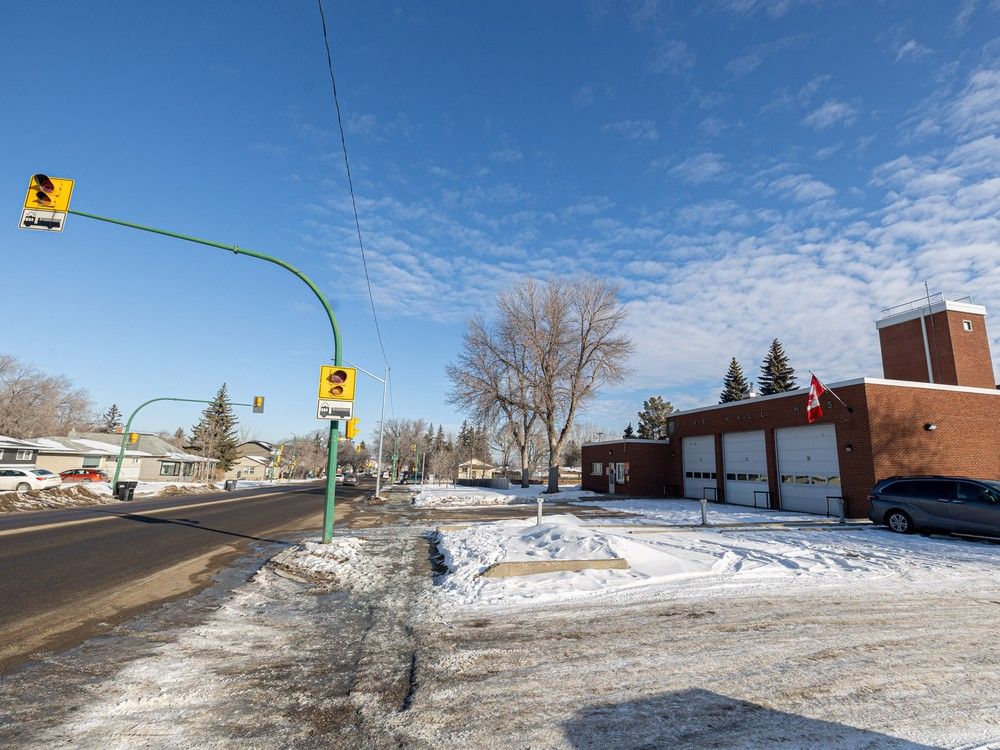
pixel 83 475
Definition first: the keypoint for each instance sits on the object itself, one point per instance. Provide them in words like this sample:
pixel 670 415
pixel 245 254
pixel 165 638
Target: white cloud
pixel 911 50
pixel 977 109
pixel 508 152
pixel 830 113
pixel 964 15
pixel 705 167
pixel 744 64
pixel 802 188
pixel 713 127
pixel 772 8
pixel 670 56
pixel 633 130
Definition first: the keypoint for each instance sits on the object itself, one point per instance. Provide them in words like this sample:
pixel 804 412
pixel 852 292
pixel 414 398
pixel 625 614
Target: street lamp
pixel 381 422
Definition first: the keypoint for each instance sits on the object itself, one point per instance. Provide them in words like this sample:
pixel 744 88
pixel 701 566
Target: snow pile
pixel 697 563
pixel 452 496
pixel 334 564
pixel 66 496
pixel 688 512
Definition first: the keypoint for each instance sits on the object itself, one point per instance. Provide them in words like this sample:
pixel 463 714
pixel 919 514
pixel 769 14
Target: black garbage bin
pixel 125 491
pixel 230 485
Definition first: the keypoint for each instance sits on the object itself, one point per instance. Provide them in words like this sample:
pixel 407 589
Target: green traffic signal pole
pixel 128 427
pixel 331 463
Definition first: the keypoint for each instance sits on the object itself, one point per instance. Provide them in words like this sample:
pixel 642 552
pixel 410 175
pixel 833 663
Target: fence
pixel 497 483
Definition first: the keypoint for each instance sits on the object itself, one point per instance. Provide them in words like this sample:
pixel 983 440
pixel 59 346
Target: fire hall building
pixel 935 411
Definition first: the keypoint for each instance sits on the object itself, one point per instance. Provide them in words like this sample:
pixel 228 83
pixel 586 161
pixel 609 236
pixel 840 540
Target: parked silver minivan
pixel 952 504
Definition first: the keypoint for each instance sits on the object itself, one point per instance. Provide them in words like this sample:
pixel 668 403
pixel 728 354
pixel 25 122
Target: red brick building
pixel 761 451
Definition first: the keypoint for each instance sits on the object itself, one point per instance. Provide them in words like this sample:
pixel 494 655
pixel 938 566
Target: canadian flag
pixel 814 410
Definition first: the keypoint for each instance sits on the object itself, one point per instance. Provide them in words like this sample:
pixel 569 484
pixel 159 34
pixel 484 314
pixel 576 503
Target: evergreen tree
pixel 653 418
pixel 439 442
pixel 629 432
pixel 776 375
pixel 735 385
pixel 111 419
pixel 215 434
pixel 573 454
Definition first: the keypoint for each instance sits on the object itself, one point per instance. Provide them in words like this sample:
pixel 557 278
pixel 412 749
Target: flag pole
pixel 832 392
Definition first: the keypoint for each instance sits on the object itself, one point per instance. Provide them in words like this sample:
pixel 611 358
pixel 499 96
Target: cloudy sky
pixel 744 169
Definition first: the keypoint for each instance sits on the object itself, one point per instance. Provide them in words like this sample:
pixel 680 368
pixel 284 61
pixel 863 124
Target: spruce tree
pixel 776 375
pixel 653 418
pixel 629 432
pixel 735 385
pixel 215 434
pixel 111 419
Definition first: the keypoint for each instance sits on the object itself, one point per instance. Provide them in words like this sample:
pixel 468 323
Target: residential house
pixel 20 453
pixel 151 459
pixel 256 461
pixel 475 469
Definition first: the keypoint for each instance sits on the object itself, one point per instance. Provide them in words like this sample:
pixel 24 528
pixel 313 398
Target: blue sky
pixel 745 169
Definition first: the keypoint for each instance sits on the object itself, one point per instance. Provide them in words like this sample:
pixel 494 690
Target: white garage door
pixel 698 454
pixel 745 460
pixel 808 468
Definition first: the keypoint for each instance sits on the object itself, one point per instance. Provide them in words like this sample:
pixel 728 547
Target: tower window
pixel 967 325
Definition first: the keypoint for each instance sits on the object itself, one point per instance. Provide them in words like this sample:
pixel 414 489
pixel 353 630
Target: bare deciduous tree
pixel 553 345
pixel 489 382
pixel 33 404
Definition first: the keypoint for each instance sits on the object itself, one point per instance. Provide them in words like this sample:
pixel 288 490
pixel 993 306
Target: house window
pixel 92 462
pixel 596 469
pixel 170 469
pixel 967 325
pixel 24 455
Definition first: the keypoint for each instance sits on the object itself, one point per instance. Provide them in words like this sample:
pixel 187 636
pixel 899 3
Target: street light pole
pixel 128 426
pixel 331 462
pixel 381 422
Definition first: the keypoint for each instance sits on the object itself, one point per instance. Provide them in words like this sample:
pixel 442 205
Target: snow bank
pixel 688 512
pixel 334 564
pixel 452 496
pixel 66 496
pixel 698 562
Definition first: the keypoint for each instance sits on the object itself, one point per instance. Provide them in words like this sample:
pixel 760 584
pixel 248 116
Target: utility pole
pixel 381 423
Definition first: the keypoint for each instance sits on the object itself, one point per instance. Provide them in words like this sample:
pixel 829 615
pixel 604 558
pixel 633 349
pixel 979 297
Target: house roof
pixel 476 462
pixel 103 443
pixel 9 442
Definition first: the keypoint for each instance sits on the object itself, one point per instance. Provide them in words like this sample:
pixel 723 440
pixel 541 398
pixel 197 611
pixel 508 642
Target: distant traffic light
pixel 133 437
pixel 352 428
pixel 336 382
pixel 258 404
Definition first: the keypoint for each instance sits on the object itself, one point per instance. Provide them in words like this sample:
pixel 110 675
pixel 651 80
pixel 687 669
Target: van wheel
pixel 23 487
pixel 899 522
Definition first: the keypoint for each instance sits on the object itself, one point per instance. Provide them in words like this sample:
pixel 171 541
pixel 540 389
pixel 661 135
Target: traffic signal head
pixel 336 382
pixel 352 428
pixel 258 404
pixel 48 193
pixel 133 437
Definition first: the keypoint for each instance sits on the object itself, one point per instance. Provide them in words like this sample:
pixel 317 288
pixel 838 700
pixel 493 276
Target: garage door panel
pixel 808 468
pixel 744 456
pixel 698 456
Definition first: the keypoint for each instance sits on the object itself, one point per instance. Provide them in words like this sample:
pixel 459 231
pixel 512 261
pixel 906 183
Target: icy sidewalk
pixel 453 496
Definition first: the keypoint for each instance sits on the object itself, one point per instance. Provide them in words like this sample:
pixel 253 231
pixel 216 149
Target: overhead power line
pixel 350 182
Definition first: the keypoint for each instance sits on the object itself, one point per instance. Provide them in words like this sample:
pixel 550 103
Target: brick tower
pixel 942 342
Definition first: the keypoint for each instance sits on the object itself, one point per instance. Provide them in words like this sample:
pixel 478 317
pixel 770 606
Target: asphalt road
pixel 66 575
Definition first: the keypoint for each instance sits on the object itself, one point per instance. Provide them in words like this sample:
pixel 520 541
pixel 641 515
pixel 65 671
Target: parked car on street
pixel 23 480
pixel 350 480
pixel 84 475
pixel 951 504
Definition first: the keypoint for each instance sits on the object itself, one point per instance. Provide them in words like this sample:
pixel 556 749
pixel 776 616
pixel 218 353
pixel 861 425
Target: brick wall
pixel 647 467
pixel 958 357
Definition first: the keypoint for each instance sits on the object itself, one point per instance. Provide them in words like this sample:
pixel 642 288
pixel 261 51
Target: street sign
pixel 331 409
pixel 48 193
pixel 337 383
pixel 47 221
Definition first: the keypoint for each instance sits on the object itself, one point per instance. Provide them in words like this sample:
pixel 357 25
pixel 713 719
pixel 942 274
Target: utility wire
pixel 350 182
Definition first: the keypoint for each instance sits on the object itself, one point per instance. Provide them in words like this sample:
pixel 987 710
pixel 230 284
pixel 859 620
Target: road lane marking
pixel 112 516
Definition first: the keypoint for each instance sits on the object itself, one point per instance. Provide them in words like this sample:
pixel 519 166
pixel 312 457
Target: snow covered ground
pixel 453 496
pixel 688 512
pixel 701 562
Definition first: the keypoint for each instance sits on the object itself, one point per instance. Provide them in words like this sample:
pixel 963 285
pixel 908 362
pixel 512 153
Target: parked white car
pixel 22 480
